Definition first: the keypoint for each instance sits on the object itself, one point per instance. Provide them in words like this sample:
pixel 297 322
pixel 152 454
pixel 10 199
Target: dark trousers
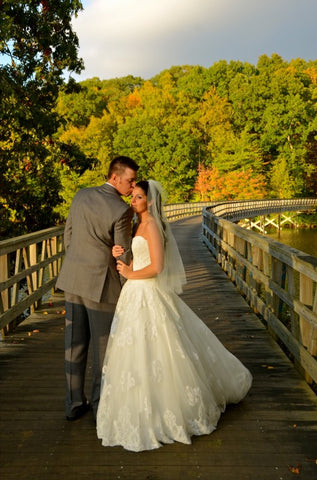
pixel 87 323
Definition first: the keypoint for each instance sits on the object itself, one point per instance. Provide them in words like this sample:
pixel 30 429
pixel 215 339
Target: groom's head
pixel 122 174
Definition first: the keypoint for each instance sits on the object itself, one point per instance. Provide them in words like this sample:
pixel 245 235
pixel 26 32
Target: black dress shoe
pixel 79 412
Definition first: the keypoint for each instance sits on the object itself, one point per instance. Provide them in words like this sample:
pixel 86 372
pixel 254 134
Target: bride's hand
pixel 117 251
pixel 124 269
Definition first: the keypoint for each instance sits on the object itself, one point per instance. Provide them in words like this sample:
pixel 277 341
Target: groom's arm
pixel 123 235
pixel 68 230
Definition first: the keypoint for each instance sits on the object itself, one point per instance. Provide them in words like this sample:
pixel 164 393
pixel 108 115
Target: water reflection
pixel 302 239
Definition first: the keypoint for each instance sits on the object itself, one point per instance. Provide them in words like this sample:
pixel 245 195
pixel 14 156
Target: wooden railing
pixel 175 211
pixel 238 210
pixel 278 281
pixel 29 266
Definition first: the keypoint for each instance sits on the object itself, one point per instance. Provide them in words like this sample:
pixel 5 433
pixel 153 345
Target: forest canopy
pixel 37 49
pixel 230 131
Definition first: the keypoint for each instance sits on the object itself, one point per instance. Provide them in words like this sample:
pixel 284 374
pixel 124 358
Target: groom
pixel 97 220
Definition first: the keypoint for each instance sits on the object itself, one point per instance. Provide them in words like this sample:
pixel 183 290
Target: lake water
pixel 302 239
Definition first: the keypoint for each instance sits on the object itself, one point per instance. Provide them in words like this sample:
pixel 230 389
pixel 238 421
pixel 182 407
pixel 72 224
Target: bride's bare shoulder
pixel 151 227
pixel 151 223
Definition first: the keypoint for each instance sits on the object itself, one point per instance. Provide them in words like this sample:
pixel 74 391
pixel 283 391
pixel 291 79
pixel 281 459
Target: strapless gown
pixel 166 376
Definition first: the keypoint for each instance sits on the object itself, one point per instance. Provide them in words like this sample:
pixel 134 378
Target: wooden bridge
pixel 271 435
pixel 284 212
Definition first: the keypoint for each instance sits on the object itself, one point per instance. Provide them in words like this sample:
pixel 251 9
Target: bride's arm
pixel 117 251
pixel 156 250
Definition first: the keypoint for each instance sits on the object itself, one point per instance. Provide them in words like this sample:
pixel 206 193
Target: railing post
pixel 54 251
pixel 305 297
pixel 30 259
pixel 242 250
pixel 4 297
pixel 278 277
pixel 17 269
pixel 308 332
pixel 292 289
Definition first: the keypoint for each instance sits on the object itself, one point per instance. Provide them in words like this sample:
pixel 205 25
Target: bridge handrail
pixel 237 210
pixel 279 282
pixel 33 261
pixel 174 211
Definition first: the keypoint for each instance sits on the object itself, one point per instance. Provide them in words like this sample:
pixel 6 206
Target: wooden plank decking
pixel 271 435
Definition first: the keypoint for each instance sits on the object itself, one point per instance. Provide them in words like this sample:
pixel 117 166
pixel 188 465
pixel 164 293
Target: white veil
pixel 173 275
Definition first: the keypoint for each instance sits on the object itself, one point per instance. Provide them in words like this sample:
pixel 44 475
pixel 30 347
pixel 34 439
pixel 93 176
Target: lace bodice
pixel 141 254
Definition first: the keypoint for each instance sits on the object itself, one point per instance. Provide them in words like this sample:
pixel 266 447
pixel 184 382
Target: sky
pixel 144 37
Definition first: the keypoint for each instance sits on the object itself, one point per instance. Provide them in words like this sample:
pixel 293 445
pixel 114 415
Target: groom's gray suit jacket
pixel 98 219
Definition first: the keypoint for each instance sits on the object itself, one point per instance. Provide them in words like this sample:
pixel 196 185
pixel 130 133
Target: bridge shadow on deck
pixel 271 435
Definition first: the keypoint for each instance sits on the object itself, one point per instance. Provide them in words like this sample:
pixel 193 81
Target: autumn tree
pixel 212 185
pixel 158 134
pixel 255 123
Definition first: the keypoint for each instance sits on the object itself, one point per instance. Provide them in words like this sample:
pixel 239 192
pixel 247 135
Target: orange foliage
pixel 235 185
pixel 209 184
pixel 312 73
pixel 133 100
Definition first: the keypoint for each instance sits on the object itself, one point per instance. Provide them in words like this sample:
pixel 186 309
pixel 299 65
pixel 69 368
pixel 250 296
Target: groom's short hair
pixel 119 164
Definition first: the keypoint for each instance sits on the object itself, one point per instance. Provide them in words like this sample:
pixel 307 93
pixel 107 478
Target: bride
pixel 166 376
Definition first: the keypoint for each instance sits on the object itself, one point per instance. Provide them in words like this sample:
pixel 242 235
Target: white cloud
pixel 143 18
pixel 143 37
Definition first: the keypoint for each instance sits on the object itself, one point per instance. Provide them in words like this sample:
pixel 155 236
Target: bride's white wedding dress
pixel 166 376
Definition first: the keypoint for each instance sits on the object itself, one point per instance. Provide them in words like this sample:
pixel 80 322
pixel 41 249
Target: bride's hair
pixel 154 202
pixel 144 184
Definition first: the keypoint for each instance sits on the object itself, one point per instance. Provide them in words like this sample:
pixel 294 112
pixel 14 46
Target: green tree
pixel 91 98
pixel 221 74
pixel 232 117
pixel 286 124
pixel 157 132
pixel 276 107
pixel 71 181
pixel 37 47
pixel 281 183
